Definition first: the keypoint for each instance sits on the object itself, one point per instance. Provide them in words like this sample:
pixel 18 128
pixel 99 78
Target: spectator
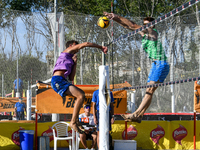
pixel 20 107
pixel 95 100
pixel 89 132
pixel 20 86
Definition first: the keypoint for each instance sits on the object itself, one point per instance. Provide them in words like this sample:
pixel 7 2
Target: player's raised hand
pixel 109 15
pixel 104 49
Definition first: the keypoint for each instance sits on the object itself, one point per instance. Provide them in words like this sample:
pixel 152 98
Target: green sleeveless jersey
pixel 153 48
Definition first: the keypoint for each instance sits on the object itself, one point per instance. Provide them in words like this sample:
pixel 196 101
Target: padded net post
pixel 103 109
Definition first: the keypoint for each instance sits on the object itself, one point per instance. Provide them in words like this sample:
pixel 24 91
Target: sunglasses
pixel 87 107
pixel 145 23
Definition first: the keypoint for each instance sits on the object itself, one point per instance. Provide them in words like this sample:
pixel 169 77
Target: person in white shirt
pixel 89 132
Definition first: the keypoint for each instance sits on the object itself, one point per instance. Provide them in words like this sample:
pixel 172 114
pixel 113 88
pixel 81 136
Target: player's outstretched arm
pixel 126 23
pixel 74 49
pixel 103 48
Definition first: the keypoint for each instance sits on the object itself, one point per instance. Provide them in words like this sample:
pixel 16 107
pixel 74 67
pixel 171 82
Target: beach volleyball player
pixel 64 70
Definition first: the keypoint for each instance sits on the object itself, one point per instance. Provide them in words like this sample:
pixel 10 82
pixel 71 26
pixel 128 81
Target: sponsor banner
pixel 48 101
pixel 151 134
pixel 9 134
pixel 197 134
pixel 182 134
pixel 8 104
pixel 147 134
pixel 158 134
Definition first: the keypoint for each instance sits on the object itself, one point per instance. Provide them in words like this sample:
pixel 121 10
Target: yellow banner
pixel 159 134
pixel 9 134
pixel 171 135
pixel 48 101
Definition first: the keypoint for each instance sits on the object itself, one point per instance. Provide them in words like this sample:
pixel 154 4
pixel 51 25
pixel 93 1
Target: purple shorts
pixel 60 85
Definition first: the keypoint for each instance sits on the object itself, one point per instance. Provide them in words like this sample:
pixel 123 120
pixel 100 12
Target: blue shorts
pixel 159 71
pixel 97 114
pixel 60 85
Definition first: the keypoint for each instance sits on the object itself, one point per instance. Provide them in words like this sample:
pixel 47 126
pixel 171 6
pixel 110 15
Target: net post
pixel 133 102
pixel 28 107
pixel 103 108
pixel 194 137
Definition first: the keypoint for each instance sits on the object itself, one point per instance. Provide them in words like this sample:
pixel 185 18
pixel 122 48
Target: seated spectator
pixel 89 132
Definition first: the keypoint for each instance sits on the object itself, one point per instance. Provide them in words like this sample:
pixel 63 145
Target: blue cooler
pixel 26 139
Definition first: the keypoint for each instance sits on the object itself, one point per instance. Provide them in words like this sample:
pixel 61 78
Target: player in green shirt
pixel 159 68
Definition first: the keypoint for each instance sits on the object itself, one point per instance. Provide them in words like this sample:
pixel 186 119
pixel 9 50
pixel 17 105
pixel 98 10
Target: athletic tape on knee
pixel 148 93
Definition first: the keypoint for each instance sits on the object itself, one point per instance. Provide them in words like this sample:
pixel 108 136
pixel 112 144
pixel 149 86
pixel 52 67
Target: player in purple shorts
pixel 64 70
pixel 155 51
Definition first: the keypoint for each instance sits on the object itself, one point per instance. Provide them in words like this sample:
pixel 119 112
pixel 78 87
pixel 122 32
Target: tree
pixel 26 64
pixel 135 8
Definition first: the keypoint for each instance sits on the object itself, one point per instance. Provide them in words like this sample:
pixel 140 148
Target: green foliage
pixel 135 8
pixel 22 5
pixel 93 7
pixel 26 63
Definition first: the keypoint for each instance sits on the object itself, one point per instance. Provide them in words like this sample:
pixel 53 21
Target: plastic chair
pixel 61 133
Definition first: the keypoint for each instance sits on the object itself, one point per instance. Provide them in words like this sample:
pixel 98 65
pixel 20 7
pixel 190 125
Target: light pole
pixel 17 93
pixel 55 31
pixel 55 117
pixel 2 86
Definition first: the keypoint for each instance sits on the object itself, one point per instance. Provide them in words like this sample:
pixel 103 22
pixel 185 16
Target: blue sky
pixel 21 33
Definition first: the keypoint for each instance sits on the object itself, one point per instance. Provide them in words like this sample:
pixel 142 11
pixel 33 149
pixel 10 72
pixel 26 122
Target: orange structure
pixel 48 101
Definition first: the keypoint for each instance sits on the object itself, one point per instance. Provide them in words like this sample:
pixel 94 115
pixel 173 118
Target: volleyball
pixel 103 22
